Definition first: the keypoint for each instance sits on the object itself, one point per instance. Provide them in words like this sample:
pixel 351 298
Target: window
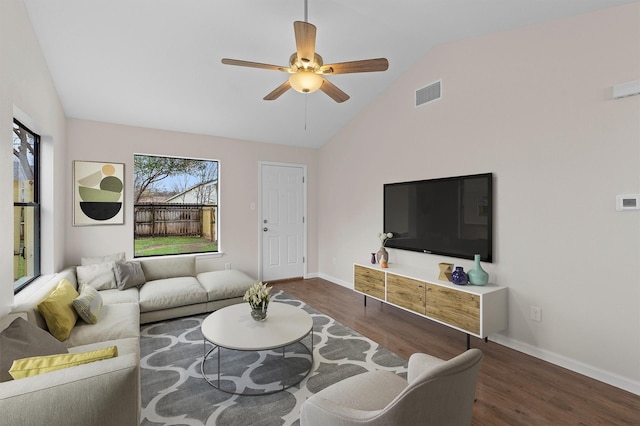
pixel 26 207
pixel 175 205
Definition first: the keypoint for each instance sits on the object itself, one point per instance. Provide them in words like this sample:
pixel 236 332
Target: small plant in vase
pixel 258 297
pixel 383 255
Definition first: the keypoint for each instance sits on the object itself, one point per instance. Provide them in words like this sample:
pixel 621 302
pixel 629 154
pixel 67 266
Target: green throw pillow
pixel 88 304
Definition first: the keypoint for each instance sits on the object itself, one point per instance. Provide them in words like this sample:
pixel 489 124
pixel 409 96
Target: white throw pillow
pixel 99 276
pixel 116 257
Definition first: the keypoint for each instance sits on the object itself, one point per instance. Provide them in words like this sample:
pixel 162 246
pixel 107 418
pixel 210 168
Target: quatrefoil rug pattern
pixel 175 393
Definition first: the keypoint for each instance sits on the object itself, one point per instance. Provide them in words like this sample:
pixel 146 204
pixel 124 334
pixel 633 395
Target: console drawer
pixel 406 292
pixel 369 281
pixel 458 308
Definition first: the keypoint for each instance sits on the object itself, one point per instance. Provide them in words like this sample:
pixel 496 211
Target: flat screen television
pixel 450 216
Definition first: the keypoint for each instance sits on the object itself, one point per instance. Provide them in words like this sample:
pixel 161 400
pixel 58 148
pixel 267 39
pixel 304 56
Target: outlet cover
pixel 536 314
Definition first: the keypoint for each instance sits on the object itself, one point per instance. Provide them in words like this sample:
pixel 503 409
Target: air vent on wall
pixel 630 88
pixel 429 93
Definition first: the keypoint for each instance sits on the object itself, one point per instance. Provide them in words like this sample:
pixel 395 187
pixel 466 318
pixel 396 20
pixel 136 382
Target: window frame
pixel 207 210
pixel 24 281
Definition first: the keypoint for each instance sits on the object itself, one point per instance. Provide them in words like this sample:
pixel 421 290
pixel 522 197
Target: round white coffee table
pixel 233 328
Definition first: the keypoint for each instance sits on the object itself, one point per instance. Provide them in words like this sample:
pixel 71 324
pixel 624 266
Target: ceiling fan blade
pixel 333 92
pixel 278 91
pixel 305 34
pixel 366 65
pixel 240 63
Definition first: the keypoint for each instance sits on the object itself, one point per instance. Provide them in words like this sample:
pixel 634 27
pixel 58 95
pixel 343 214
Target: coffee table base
pixel 216 382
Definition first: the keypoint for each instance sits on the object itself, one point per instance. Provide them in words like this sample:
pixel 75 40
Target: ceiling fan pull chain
pixel 305 110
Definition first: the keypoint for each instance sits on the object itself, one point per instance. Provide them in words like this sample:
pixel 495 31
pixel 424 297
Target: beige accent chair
pixel 436 392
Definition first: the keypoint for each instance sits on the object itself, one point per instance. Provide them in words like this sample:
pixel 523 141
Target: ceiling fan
pixel 306 68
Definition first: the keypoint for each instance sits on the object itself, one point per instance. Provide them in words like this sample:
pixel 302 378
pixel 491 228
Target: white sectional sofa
pixel 107 392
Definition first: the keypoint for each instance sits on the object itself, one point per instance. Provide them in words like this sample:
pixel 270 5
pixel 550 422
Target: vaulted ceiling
pixel 156 63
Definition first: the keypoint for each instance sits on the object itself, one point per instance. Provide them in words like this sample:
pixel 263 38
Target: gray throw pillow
pixel 129 274
pixel 88 304
pixel 23 340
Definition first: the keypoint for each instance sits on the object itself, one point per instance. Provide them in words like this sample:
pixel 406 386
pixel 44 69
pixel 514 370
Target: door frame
pixel 260 225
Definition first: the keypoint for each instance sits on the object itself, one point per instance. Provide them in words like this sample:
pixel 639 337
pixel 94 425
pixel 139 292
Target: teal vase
pixel 477 275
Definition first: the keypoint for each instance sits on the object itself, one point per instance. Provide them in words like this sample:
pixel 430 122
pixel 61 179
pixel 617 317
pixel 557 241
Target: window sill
pixel 31 289
pixel 203 256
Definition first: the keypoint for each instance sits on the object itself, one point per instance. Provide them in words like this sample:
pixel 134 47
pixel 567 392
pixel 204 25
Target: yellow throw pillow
pixel 58 311
pixel 27 367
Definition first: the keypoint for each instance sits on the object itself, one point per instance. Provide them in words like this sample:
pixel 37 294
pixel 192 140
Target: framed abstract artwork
pixel 98 193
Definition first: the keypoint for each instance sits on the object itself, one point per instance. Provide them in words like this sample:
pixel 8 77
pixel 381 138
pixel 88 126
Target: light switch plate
pixel 628 202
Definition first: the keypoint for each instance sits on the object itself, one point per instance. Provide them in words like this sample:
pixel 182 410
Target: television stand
pixel 475 310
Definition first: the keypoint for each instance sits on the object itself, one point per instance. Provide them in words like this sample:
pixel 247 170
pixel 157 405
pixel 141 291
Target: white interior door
pixel 283 221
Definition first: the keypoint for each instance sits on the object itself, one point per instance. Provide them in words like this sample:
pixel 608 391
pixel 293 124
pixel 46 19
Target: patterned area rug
pixel 175 393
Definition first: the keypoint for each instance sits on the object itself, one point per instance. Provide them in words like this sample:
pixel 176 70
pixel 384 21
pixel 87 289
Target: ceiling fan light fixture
pixel 305 81
pixel 307 70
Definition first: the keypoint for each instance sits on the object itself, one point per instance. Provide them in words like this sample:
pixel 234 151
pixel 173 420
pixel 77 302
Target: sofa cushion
pixel 110 296
pixel 22 339
pixel 130 345
pixel 58 311
pixel 116 321
pixel 92 260
pixel 170 293
pixel 225 284
pixel 98 275
pixel 128 274
pixel 88 304
pixel 33 366
pixel 169 267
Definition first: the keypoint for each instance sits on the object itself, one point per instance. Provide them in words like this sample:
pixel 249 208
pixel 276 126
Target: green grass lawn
pixel 173 245
pixel 21 268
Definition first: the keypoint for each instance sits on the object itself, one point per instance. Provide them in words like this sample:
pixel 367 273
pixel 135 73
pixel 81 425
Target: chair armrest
pixel 357 399
pixel 419 363
pixel 321 412
pixel 103 392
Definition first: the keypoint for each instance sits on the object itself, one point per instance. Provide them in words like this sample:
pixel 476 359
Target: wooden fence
pixel 168 219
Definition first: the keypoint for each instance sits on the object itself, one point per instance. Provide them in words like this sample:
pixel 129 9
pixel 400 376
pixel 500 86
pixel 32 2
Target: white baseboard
pixel 552 357
pixel 336 281
pixel 569 363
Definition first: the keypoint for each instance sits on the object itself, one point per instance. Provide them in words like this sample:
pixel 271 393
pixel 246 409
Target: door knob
pixel 265 229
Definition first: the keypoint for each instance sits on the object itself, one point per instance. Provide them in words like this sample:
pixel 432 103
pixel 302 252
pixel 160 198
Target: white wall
pixel 27 93
pixel 534 107
pixel 239 225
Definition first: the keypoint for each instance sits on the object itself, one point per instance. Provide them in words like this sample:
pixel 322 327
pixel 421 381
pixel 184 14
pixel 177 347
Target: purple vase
pixel 458 276
pixel 373 258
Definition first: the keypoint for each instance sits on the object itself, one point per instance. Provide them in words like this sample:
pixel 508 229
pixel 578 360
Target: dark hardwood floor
pixel 513 388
